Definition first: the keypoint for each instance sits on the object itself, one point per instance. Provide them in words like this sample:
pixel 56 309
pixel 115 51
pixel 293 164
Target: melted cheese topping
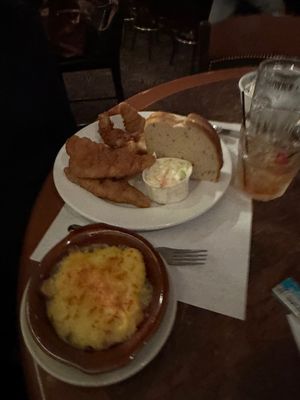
pixel 97 297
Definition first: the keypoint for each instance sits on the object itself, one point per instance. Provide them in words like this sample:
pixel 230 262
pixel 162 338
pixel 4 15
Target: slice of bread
pixel 191 138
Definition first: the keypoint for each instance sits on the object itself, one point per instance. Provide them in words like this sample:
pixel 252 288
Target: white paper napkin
pixel 225 231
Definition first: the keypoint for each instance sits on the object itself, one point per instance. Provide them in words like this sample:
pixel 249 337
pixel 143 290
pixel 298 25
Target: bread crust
pixel 162 116
pixel 210 132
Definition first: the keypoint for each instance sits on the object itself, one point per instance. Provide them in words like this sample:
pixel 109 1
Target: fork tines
pixel 189 251
pixel 187 261
pixel 182 257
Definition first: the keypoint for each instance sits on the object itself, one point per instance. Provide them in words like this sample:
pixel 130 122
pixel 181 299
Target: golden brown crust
pixel 97 296
pixel 89 159
pixel 133 121
pixel 210 133
pixel 117 190
pixel 159 116
pixel 132 135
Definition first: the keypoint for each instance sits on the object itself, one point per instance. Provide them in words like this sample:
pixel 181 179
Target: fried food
pixel 114 137
pixel 132 136
pixel 133 121
pixel 103 169
pixel 119 191
pixel 89 159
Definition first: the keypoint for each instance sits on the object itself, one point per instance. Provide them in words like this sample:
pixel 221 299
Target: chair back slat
pixel 246 40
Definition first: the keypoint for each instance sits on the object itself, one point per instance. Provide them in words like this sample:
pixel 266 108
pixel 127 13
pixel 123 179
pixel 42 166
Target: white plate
pixel 203 195
pixel 74 376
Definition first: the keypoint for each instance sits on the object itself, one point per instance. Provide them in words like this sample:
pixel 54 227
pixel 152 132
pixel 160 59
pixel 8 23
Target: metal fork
pixel 183 256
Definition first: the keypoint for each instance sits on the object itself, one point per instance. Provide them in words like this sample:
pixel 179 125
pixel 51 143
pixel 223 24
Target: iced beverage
pixel 266 169
pixel 269 154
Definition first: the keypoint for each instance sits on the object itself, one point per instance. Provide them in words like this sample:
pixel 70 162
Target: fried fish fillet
pixel 89 159
pixel 111 136
pixel 133 121
pixel 132 135
pixel 119 191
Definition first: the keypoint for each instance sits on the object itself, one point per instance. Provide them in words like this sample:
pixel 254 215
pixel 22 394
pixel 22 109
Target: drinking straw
pixel 244 137
pixel 243 110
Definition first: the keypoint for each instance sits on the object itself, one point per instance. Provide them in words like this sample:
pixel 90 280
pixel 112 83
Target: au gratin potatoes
pixel 97 296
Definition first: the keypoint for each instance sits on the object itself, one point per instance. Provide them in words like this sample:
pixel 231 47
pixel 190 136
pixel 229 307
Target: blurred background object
pixel 169 60
pixel 222 9
pixel 252 38
pixel 187 24
pixel 87 35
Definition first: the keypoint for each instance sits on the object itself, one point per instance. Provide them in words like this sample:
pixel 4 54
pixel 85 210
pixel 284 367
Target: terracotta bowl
pixel 97 361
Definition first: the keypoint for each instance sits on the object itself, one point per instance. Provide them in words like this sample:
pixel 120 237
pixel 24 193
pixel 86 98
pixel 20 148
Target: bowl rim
pixel 97 361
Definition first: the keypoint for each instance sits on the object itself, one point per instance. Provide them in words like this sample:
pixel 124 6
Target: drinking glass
pixel 269 153
pixel 246 87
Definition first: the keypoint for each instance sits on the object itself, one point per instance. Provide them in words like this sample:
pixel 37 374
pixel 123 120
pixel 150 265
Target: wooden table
pixel 208 356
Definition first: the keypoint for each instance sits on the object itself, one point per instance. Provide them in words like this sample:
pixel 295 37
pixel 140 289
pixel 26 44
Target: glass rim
pixel 262 73
pixel 279 60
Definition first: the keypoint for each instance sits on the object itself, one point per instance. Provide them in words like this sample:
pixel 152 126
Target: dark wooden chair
pixel 145 22
pixel 187 22
pixel 83 47
pixel 247 40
